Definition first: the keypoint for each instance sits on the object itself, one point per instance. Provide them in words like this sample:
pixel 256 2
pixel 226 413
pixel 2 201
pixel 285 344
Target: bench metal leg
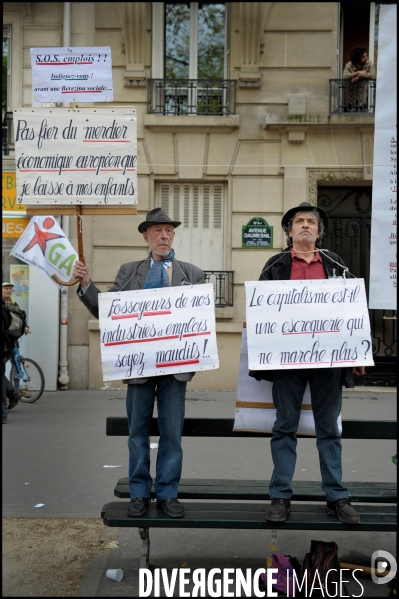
pixel 145 547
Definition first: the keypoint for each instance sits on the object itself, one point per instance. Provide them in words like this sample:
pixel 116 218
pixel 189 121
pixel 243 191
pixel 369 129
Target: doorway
pixel 349 210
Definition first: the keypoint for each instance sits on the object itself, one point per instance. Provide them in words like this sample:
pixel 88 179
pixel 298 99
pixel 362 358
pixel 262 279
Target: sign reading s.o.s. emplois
pixel 76 156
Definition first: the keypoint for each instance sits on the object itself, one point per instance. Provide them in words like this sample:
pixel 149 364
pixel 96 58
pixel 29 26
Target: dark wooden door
pixel 349 210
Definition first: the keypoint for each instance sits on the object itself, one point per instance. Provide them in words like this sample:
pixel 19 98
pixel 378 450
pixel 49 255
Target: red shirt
pixel 300 269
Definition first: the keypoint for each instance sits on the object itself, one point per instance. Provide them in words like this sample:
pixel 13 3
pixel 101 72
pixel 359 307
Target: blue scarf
pixel 157 275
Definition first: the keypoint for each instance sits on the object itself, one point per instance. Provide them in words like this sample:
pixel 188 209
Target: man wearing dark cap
pixel 159 269
pixel 304 227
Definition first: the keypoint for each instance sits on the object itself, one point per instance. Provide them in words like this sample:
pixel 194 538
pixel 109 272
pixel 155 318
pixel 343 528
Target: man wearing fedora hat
pixel 159 269
pixel 304 226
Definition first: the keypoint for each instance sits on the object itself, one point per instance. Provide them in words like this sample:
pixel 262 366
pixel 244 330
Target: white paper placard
pixel 260 414
pixel 152 332
pixel 383 244
pixel 321 323
pixel 72 156
pixel 82 74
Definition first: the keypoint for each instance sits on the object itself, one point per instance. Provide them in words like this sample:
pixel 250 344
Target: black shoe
pixel 137 506
pixel 172 507
pixel 345 512
pixel 278 510
pixel 14 400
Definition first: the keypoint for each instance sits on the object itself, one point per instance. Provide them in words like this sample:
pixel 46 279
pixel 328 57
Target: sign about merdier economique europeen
pixel 307 324
pixel 152 332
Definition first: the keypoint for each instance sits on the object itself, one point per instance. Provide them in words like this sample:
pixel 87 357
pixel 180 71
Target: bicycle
pixel 30 375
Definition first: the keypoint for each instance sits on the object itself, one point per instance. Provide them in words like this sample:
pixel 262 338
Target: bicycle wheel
pixel 34 383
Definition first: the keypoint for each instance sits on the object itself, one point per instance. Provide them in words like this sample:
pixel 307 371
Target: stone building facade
pixel 278 147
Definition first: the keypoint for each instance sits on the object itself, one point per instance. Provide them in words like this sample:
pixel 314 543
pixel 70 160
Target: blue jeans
pixel 171 395
pixel 326 395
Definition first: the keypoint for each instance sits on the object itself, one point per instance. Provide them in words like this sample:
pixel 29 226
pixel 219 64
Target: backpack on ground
pixel 18 322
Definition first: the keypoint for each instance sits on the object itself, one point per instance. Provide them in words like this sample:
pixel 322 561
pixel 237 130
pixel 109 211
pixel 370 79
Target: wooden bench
pixel 307 514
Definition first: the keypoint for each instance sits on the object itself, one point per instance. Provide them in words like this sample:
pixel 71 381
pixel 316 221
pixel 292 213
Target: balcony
pixel 7 135
pixel 223 285
pixel 191 97
pixel 350 97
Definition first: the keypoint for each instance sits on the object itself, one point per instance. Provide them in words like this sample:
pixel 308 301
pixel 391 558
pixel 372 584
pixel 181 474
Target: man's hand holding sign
pixel 157 329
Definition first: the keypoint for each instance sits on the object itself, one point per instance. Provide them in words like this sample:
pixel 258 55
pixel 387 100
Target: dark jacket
pixel 278 268
pixel 131 276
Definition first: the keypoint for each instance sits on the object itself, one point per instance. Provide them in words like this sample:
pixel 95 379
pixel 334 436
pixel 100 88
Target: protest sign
pixel 383 243
pixel 255 410
pixel 44 245
pixel 152 332
pixel 320 323
pixel 66 156
pixel 72 74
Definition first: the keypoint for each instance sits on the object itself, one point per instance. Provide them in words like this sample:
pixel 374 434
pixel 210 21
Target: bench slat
pixel 250 516
pixel 223 427
pixel 259 490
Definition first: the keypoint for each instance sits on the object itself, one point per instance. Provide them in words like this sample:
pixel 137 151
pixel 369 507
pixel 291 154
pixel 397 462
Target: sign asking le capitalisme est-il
pixel 307 324
pixel 152 332
pixel 76 156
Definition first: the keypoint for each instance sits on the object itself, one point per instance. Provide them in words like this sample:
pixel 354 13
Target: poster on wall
pixel 383 249
pixel 321 323
pixel 72 74
pixel 152 332
pixel 76 156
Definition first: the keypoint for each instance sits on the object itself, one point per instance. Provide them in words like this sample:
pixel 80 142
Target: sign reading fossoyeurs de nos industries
pixel 76 156
pixel 72 74
pixel 307 324
pixel 153 332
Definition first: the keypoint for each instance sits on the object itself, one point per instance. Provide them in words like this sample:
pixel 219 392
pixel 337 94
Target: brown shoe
pixel 343 509
pixel 278 509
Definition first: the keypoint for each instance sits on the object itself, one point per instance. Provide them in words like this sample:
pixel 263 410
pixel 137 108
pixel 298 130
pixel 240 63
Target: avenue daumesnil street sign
pixel 257 234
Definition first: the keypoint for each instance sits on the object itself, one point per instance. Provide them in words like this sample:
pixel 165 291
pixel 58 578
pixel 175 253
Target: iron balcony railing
pixel 346 96
pixel 223 284
pixel 7 135
pixel 183 97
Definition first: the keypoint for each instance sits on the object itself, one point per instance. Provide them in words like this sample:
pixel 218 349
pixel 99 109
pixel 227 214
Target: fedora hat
pixel 304 207
pixel 155 217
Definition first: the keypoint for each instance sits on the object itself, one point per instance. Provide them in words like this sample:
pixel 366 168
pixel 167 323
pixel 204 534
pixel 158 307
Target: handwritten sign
pixel 154 332
pixel 66 156
pixel 255 410
pixel 72 74
pixel 307 324
pixel 384 216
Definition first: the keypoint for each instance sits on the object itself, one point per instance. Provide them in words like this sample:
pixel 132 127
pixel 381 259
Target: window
pixel 195 40
pixel 199 207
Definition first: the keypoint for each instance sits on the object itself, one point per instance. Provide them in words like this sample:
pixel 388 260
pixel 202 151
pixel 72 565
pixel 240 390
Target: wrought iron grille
pixel 349 235
pixel 7 137
pixel 346 96
pixel 223 284
pixel 183 97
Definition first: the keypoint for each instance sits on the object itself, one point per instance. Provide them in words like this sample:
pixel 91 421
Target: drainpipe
pixel 63 377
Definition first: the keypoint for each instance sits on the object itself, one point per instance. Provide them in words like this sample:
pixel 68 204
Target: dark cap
pixel 305 207
pixel 155 217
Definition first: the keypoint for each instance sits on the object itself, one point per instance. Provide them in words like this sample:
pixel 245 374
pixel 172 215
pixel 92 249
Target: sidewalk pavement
pixel 60 448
